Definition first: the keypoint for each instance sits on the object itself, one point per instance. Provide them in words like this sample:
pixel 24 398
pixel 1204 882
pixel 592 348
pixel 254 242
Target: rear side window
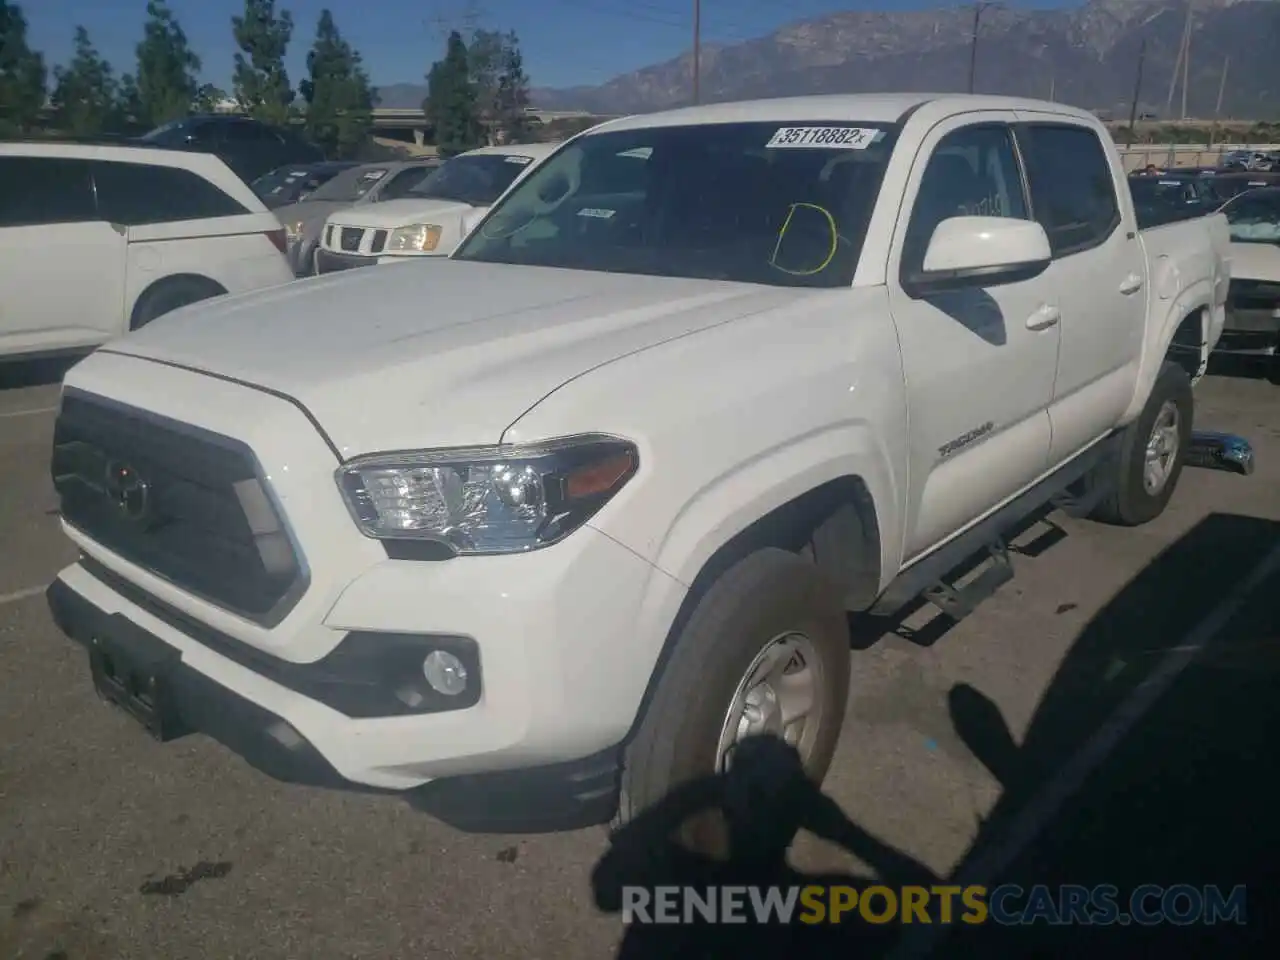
pixel 134 194
pixel 45 190
pixel 1073 195
pixel 249 133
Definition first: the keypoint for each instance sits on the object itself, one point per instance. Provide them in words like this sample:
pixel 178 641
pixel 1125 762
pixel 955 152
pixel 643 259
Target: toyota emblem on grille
pixel 127 490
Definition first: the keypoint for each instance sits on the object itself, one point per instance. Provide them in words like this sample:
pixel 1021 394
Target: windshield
pixel 350 185
pixel 402 184
pixel 1254 217
pixel 290 184
pixel 751 202
pixel 173 132
pixel 478 179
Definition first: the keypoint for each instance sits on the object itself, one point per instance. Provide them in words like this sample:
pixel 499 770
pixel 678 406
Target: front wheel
pixel 765 651
pixel 1152 452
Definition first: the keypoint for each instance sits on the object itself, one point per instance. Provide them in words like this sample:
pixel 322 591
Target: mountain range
pixel 1085 55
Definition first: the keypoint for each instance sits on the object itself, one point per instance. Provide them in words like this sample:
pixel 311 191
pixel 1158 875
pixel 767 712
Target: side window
pixel 203 134
pixel 1073 194
pixel 249 133
pixel 40 190
pixel 973 172
pixel 134 194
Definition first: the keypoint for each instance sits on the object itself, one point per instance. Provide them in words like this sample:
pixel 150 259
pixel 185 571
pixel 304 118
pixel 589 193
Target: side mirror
pixel 969 252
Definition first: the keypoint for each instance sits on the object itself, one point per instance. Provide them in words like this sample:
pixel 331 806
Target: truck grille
pixel 183 503
pixel 351 237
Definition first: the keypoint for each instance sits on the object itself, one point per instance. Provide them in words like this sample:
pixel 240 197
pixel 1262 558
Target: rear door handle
pixel 1131 284
pixel 1044 318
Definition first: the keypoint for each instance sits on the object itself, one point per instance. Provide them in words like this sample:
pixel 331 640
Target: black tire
pixel 1129 503
pixel 168 295
pixel 767 594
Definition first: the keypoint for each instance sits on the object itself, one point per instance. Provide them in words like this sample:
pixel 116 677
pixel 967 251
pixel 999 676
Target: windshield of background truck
pixel 1254 217
pixel 478 179
pixel 350 185
pixel 784 204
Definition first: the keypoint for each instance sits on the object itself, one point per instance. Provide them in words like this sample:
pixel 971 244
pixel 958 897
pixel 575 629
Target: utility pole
pixel 1217 110
pixel 1179 65
pixel 978 7
pixel 973 45
pixel 1137 92
pixel 697 48
pixel 1186 72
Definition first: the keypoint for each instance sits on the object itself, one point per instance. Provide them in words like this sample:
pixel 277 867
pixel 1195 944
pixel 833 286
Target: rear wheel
pixel 766 650
pixel 170 294
pixel 1152 452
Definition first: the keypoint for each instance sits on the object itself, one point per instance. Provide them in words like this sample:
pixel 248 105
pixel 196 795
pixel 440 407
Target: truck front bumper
pixel 546 707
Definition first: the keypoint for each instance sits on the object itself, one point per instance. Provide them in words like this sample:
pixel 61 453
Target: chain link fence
pixel 1170 155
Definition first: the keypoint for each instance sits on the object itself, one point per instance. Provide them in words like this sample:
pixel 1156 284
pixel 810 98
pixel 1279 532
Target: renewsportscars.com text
pixel 1007 905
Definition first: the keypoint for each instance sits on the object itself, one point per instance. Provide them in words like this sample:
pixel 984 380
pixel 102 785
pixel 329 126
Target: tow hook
pixel 1220 451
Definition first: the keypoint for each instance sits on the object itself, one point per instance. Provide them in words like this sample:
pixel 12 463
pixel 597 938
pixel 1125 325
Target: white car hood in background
pixel 401 213
pixel 1255 261
pixel 437 352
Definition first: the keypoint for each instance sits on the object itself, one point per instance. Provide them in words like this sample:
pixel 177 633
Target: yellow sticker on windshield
pixel 828 138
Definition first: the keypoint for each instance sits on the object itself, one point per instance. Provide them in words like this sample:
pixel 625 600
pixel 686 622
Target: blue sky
pixel 565 42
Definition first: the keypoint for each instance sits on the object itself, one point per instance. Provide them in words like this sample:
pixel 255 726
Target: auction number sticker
pixel 831 138
pixel 523 161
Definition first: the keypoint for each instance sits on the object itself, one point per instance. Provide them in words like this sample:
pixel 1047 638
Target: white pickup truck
pixel 574 509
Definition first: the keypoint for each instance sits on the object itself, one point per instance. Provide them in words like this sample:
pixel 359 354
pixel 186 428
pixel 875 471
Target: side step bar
pixel 959 602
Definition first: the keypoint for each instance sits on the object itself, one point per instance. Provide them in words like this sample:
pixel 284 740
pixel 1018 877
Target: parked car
pixel 1253 306
pixel 1229 183
pixel 99 240
pixel 294 183
pixel 576 508
pixel 248 147
pixel 1247 160
pixel 433 216
pixel 369 183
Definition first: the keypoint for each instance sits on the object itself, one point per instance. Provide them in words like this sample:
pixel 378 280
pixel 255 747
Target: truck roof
pixel 864 107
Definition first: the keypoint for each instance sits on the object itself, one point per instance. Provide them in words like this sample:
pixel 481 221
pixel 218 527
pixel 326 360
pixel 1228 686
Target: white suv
pixel 434 216
pixel 99 240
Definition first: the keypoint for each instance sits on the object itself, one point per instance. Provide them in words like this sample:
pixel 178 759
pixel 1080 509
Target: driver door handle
pixel 1131 284
pixel 1044 318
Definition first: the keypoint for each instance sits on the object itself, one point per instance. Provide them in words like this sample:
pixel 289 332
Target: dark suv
pixel 248 147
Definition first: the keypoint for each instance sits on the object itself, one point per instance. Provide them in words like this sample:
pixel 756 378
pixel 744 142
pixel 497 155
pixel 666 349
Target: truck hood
pixel 309 212
pixel 401 213
pixel 1255 261
pixel 436 352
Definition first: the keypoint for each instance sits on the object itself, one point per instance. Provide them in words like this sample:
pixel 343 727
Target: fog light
pixel 445 672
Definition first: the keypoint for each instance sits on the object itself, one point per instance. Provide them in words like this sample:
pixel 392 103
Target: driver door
pixel 979 362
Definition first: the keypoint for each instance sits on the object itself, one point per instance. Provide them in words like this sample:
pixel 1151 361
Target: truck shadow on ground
pixel 1146 763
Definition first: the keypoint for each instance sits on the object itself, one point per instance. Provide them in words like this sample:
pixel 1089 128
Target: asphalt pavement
pixel 1104 719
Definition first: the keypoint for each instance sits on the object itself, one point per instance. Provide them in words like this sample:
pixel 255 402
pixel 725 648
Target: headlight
pixel 293 232
pixel 485 500
pixel 419 238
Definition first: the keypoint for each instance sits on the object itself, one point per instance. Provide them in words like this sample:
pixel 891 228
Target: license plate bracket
pixel 134 671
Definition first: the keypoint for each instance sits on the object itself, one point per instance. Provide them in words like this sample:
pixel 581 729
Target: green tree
pixel 84 93
pixel 167 67
pixel 129 111
pixel 22 73
pixel 486 51
pixel 209 98
pixel 451 101
pixel 337 92
pixel 511 114
pixel 261 82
